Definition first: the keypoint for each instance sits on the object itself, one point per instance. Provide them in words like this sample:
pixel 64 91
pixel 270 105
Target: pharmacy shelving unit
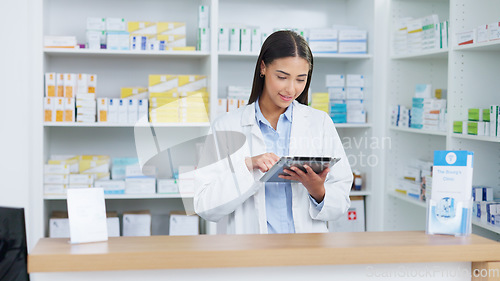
pixel 404 72
pixel 317 14
pixel 468 72
pixel 116 69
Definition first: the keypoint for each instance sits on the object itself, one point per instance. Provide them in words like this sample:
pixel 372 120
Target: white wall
pixel 15 114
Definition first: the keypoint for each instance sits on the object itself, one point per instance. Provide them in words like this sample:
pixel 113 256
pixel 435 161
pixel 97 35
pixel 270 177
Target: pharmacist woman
pixel 276 122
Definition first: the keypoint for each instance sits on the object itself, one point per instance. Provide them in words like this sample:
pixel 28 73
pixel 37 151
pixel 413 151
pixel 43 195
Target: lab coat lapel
pixel 299 126
pixel 257 146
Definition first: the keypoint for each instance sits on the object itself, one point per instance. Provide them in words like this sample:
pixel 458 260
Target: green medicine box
pixel 486 115
pixel 472 128
pixel 474 114
pixel 457 127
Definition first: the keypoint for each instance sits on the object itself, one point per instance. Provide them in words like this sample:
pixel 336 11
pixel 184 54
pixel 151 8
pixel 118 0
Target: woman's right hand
pixel 263 162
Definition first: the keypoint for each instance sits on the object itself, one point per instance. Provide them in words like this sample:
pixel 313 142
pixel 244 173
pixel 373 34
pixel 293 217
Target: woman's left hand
pixel 314 183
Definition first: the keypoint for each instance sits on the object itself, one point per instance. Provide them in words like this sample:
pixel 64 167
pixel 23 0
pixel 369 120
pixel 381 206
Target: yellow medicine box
pixel 171 28
pixel 134 93
pixel 162 83
pixel 141 27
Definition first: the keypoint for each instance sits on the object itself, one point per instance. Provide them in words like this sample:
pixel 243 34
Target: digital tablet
pixel 318 164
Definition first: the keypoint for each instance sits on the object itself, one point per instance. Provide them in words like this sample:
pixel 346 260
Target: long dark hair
pixel 281 44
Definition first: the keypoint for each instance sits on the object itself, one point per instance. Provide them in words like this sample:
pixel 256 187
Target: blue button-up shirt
pixel 278 195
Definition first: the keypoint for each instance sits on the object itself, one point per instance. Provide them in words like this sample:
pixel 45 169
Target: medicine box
pixel 168 186
pixel 246 40
pixel 69 85
pixel 335 80
pixel 137 223
pixel 256 39
pixel 182 224
pixel 49 109
pixel 59 109
pixel 116 24
pixel 234 39
pixel 204 16
pixel 96 23
pixel 140 185
pixel 355 80
pixel 223 39
pixel 494 31
pixel 171 28
pixel 102 110
pixel 50 84
pixel 466 38
pixel 203 39
pixel 60 85
pixel 141 27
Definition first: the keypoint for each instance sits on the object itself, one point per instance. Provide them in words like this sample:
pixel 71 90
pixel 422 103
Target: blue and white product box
pixel 323 40
pixel 352 42
pixel 335 80
pixel 111 186
pixel 117 40
pixel 337 93
pixel 450 206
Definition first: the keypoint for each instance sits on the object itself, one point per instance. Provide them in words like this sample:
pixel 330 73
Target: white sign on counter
pixel 87 215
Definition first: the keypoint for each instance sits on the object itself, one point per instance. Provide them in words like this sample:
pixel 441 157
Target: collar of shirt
pixel 261 119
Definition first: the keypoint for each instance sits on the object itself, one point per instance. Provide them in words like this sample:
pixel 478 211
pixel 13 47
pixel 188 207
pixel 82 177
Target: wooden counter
pixel 176 252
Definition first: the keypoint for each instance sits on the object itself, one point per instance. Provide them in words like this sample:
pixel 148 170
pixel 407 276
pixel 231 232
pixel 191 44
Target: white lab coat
pixel 228 193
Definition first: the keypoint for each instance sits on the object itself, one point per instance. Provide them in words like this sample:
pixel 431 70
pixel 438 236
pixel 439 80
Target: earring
pixel 261 75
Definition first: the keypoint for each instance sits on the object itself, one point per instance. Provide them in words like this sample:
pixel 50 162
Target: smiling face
pixel 285 80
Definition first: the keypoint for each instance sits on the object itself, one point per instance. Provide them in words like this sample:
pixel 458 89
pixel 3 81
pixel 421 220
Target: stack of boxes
pixel 416 181
pixel 484 208
pixel 124 111
pixel 346 95
pixel 96 33
pixel 418 35
pixel 428 111
pixel 355 84
pixel 157 36
pixel 236 97
pixel 61 91
pixel 62 172
pixel 140 180
pixel 400 37
pixel 56 178
pixel 335 83
pixel 178 98
pixel 400 116
pixel 203 28
pixel 324 40
pixel 481 122
pixel 117 37
pixel 240 38
pixel 353 41
pixel 482 34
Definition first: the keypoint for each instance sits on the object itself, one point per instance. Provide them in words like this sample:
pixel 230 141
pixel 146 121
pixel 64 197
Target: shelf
pixel 359 193
pixel 407 199
pixel 476 138
pixel 346 125
pixel 100 53
pixel 120 125
pixel 486 226
pixel 340 57
pixel 486 46
pixel 423 205
pixel 433 54
pixel 124 196
pixel 418 131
